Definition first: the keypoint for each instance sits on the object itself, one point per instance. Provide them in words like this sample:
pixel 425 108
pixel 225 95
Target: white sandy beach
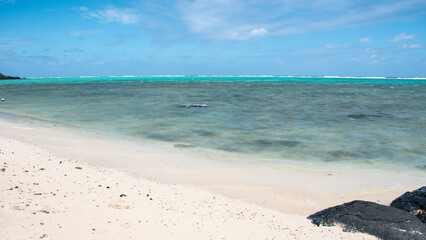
pixel 48 197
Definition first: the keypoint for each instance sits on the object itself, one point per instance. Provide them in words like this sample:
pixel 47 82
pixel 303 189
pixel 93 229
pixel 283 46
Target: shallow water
pixel 303 119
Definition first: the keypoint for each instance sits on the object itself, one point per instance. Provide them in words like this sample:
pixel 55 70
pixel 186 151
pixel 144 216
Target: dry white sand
pixel 43 196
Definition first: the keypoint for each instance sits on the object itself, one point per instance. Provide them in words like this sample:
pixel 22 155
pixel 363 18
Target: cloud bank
pixel 245 19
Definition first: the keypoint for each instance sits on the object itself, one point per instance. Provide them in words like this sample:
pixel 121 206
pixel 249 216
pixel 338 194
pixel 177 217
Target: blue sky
pixel 222 37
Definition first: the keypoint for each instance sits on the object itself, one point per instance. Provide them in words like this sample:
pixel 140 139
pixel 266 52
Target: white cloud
pixel 370 59
pixel 112 14
pixel 15 42
pixel 416 46
pixel 83 9
pixel 369 50
pixel 6 1
pixel 333 46
pixel 217 19
pixel 258 32
pixel 83 32
pixel 412 46
pixel 2 2
pixel 239 19
pixel 279 60
pixel 365 40
pixel 74 50
pixel 402 37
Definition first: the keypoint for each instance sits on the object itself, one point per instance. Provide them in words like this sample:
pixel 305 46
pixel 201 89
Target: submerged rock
pixel 193 106
pixel 344 154
pixel 164 137
pixel 413 202
pixel 204 133
pixel 423 167
pixel 183 145
pixel 266 142
pixel 363 116
pixel 372 218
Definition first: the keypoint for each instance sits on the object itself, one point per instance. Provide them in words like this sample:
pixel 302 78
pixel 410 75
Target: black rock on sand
pixel 413 202
pixel 372 218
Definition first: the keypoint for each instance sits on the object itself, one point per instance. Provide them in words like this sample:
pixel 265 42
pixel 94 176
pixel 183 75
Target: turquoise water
pixel 302 119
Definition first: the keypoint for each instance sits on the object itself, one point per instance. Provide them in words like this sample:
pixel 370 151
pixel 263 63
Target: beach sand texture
pixel 48 197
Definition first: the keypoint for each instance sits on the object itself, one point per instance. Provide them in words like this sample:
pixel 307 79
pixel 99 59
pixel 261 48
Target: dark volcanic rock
pixel 413 202
pixel 372 218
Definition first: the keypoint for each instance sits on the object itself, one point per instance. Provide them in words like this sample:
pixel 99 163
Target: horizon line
pixel 240 75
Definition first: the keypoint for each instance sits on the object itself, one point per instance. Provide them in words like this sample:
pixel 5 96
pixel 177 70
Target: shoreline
pixel 289 188
pixel 44 196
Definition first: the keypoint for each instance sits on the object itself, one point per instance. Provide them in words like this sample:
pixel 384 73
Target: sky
pixel 54 38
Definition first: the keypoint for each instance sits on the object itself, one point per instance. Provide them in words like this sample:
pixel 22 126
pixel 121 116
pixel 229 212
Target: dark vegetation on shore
pixel 4 77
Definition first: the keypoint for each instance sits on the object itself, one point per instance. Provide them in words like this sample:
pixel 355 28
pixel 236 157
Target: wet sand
pixel 289 187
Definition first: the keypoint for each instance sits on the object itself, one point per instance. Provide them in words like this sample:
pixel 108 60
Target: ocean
pixel 274 119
